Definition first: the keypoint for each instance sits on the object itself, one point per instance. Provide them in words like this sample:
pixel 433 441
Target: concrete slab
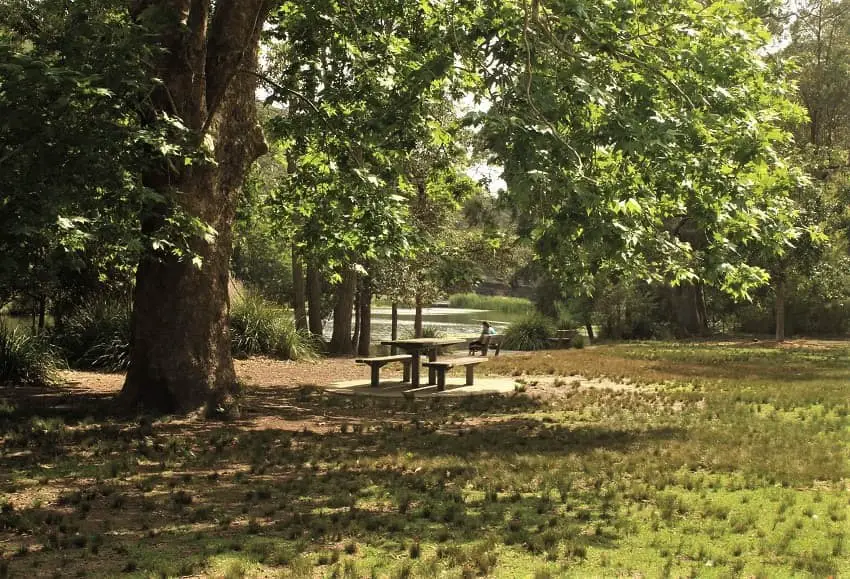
pixel 394 388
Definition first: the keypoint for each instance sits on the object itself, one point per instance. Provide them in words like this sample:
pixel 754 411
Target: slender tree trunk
pixel 589 327
pixel 394 327
pixel 314 298
pixel 341 339
pixel 779 307
pixel 365 343
pixel 42 312
pixel 299 291
pixel 417 318
pixel 355 337
pixel 180 339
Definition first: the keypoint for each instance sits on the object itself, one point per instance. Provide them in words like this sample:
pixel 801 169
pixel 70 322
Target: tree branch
pixel 281 88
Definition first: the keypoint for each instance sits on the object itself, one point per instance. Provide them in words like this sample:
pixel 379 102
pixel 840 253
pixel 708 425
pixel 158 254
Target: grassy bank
pixel 714 461
pixel 503 304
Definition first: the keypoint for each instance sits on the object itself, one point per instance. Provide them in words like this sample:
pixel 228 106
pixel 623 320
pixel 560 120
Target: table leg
pixel 432 372
pixel 414 369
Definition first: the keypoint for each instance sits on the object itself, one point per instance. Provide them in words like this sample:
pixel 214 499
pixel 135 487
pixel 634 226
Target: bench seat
pixel 380 361
pixel 443 366
pixel 560 342
pixel 494 342
pixel 564 338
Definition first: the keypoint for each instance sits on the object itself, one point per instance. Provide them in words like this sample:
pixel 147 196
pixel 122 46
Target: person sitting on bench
pixel 484 339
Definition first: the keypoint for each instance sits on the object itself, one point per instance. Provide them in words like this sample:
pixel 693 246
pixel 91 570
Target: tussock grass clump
pixel 25 359
pixel 529 333
pixel 97 335
pixel 427 332
pixel 502 304
pixel 260 327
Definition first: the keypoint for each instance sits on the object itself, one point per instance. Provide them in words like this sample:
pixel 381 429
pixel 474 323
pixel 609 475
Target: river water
pixel 447 321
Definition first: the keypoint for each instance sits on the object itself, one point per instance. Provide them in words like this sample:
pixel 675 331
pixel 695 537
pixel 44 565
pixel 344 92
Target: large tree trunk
pixel 365 342
pixel 341 339
pixel 299 291
pixel 181 358
pixel 779 307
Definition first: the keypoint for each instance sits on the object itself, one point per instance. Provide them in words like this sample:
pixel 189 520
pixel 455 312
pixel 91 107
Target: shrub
pixel 502 304
pixel 427 332
pixel 578 342
pixel 258 326
pixel 529 333
pixel 25 359
pixel 97 335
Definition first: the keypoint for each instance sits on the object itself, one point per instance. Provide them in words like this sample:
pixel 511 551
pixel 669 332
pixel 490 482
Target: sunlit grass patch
pixel 702 468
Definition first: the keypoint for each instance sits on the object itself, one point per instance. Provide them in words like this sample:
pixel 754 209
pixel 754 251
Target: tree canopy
pixel 644 142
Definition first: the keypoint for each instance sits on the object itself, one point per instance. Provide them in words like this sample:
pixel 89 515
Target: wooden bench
pixel 494 342
pixel 381 361
pixel 443 366
pixel 563 339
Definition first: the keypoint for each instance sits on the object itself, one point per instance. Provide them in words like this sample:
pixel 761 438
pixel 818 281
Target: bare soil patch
pixel 258 372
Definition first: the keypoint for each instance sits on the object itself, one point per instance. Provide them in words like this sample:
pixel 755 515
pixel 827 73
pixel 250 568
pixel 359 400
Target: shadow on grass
pixel 169 496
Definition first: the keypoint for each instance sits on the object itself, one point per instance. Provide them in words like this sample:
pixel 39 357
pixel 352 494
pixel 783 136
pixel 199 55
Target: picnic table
pixel 417 347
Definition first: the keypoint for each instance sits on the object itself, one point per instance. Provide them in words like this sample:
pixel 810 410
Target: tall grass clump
pixel 25 359
pixel 530 333
pixel 427 332
pixel 502 304
pixel 261 327
pixel 96 335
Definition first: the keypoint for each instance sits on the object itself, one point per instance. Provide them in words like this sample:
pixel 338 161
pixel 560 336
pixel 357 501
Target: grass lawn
pixel 712 460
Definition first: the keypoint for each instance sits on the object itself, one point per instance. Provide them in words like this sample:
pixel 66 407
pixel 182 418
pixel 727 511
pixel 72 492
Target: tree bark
pixel 394 327
pixel 341 339
pixel 299 291
pixel 364 345
pixel 417 318
pixel 589 327
pixel 779 307
pixel 180 341
pixel 314 299
pixel 689 310
pixel 355 337
pixel 42 312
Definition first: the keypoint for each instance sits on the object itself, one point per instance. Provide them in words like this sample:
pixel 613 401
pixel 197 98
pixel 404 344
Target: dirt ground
pixel 263 409
pixel 257 372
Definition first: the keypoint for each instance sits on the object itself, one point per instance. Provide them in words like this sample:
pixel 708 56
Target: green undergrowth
pixel 261 327
pixel 530 333
pixel 705 468
pixel 503 304
pixel 25 359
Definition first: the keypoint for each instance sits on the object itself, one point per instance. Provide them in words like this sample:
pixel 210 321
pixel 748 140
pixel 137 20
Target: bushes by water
pixel 97 335
pixel 503 304
pixel 530 333
pixel 261 327
pixel 25 359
